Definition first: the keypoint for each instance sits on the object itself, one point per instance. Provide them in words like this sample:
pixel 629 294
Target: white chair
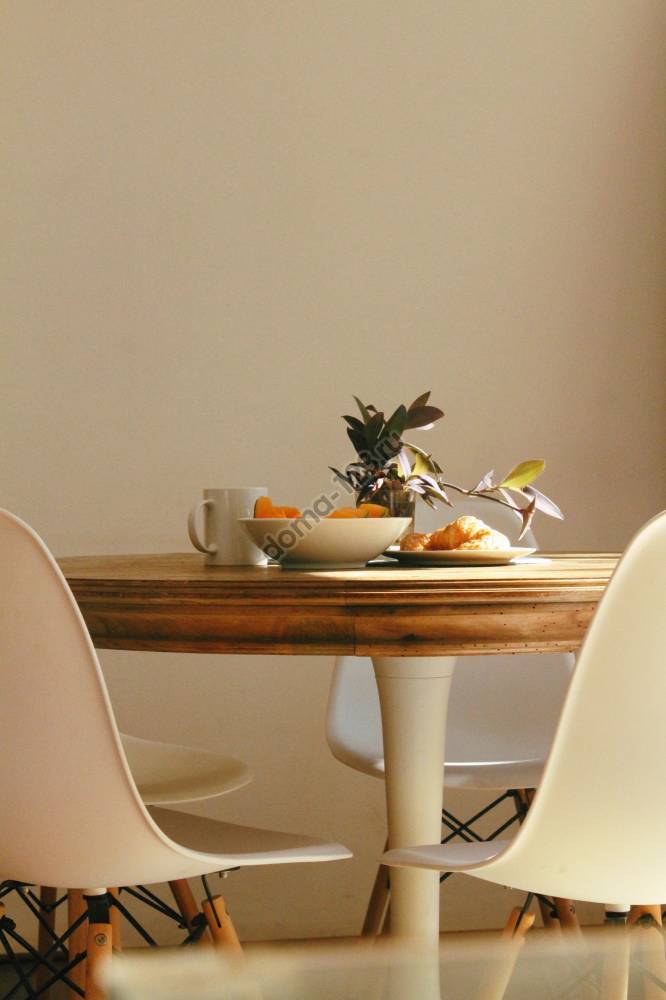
pixel 167 774
pixel 501 718
pixel 76 817
pixel 164 774
pixel 597 827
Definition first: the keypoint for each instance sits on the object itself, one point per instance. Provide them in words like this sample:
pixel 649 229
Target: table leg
pixel 414 695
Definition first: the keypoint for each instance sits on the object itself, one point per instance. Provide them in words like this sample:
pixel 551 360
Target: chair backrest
pixel 597 828
pixel 487 719
pixel 71 814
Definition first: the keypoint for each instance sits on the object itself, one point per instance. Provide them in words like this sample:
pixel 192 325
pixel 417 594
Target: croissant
pixel 493 540
pixel 467 532
pixel 457 532
pixel 414 542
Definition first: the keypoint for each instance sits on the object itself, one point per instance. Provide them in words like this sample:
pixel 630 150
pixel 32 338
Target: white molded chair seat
pixel 502 712
pixel 597 827
pixel 169 774
pixel 456 856
pixel 493 742
pixel 243 845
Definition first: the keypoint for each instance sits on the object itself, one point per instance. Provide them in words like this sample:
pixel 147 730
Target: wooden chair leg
pixel 47 897
pixel 516 927
pixel 496 978
pixel 99 947
pixel 187 906
pixel 566 914
pixel 378 904
pixel 654 911
pixel 525 797
pixel 220 925
pixel 116 923
pixel 77 941
pixel 548 917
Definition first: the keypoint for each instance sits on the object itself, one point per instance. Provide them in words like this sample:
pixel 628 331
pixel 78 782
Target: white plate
pixel 459 557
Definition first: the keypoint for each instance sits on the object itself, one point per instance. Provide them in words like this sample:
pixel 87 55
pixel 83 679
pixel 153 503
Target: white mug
pixel 226 543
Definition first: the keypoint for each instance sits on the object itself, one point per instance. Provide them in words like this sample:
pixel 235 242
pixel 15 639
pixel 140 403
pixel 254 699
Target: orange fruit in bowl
pixel 264 507
pixel 363 510
pixel 372 510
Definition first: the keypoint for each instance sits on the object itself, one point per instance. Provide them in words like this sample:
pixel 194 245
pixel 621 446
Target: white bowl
pixel 330 542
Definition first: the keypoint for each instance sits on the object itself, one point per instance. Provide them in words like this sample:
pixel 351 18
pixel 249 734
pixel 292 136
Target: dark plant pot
pixel 399 501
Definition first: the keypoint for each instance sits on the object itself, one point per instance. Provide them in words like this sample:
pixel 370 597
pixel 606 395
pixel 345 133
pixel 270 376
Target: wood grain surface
pixel 176 603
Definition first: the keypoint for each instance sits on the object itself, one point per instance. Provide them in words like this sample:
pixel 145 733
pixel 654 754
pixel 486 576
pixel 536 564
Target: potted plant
pixel 392 471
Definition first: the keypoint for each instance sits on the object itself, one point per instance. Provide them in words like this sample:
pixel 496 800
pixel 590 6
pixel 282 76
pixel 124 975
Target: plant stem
pixel 481 493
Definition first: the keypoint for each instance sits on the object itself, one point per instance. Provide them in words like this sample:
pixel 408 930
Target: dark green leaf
pixel 395 425
pixel 368 489
pixel 354 422
pixel 358 440
pixel 365 413
pixel 421 416
pixel 358 478
pixel 341 475
pixel 420 400
pixel 386 447
pixel 373 429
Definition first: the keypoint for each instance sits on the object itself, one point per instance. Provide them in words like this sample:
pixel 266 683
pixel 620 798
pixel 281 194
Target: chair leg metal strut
pixel 93 932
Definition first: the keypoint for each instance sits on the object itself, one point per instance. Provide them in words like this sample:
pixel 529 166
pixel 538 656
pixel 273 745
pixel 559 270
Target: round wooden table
pixel 413 622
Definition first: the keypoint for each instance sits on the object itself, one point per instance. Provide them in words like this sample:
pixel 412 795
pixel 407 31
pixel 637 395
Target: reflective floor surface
pixel 610 963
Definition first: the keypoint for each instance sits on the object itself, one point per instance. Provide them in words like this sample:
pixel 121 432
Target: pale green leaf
pixel 422 465
pixel 523 474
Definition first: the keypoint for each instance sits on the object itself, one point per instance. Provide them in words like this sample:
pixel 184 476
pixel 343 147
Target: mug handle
pixel 192 528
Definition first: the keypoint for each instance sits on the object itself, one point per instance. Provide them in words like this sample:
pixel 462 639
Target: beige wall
pixel 224 218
